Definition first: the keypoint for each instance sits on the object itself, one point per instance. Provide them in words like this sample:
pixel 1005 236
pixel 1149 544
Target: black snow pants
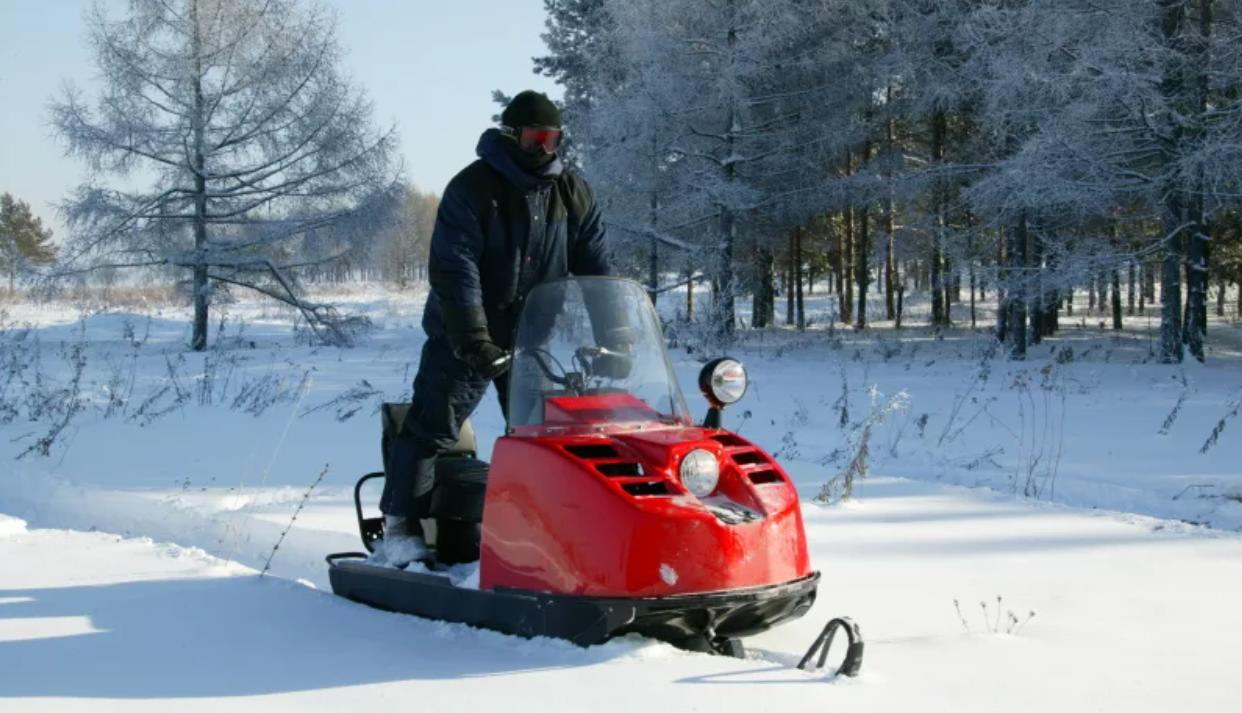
pixel 446 392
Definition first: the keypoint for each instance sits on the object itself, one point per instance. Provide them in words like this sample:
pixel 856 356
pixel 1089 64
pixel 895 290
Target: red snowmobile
pixel 605 509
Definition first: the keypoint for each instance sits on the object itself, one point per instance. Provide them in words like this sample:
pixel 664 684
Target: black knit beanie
pixel 531 108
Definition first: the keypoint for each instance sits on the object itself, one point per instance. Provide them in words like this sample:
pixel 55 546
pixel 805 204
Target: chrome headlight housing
pixel 723 381
pixel 700 472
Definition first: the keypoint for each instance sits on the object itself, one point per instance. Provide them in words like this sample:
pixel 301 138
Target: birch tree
pixel 260 156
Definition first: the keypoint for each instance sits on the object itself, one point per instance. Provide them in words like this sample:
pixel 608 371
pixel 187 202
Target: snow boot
pixel 399 546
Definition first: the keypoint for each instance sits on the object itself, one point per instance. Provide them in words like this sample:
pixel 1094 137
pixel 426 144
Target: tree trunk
pixel 1197 282
pixel 901 298
pixel 723 306
pixel 1147 294
pixel 1016 291
pixel 1199 248
pixel 1170 284
pixel 690 294
pixel 890 239
pixel 940 306
pixel 653 252
pixel 840 266
pixel 862 271
pixel 198 337
pixel 974 322
pixel 1002 280
pixel 1050 294
pixel 790 273
pixel 798 279
pixel 1220 297
pixel 890 263
pixel 862 274
pixel 1036 282
pixel 1116 298
pixel 763 300
pixel 1130 286
pixel 1143 272
pixel 846 279
pixel 1173 205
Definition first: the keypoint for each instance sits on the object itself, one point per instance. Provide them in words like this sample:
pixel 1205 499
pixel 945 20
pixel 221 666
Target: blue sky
pixel 428 65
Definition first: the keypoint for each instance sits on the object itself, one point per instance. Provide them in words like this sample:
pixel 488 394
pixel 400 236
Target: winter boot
pixel 400 545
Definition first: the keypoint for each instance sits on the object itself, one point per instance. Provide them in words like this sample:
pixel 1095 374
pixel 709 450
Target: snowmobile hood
pixel 492 148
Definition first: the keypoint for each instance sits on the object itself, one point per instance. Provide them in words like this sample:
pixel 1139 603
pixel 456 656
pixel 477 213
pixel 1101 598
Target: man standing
pixel 510 220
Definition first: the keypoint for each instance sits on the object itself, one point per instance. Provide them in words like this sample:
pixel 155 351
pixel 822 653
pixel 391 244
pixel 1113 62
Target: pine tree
pixel 23 239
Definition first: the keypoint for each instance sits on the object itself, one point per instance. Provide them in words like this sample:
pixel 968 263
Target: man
pixel 514 218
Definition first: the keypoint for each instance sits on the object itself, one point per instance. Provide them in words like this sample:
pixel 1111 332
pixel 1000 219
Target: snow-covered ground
pixel 1130 614
pixel 1099 512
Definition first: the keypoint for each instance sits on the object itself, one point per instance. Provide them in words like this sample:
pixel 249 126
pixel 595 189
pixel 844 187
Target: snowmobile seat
pixel 393 416
pixel 457 499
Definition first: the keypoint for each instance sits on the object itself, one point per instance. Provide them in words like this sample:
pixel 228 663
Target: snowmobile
pixel 605 509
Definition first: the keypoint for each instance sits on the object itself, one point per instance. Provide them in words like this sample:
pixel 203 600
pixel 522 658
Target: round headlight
pixel 723 381
pixel 700 472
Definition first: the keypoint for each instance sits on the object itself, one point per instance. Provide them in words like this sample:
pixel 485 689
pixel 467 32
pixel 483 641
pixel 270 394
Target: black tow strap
pixel 853 654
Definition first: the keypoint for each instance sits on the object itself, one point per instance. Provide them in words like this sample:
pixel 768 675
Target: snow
pixel 11 525
pixel 130 580
pixel 1132 614
pixel 668 574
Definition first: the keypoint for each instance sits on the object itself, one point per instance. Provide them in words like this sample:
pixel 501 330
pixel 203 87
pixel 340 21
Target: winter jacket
pixel 501 230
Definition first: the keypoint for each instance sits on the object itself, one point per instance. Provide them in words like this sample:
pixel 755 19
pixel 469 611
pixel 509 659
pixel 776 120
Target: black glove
pixel 489 360
pixel 612 365
pixel 468 335
pixel 616 362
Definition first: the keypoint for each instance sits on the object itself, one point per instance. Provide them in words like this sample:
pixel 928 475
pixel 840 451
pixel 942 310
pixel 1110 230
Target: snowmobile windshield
pixel 590 352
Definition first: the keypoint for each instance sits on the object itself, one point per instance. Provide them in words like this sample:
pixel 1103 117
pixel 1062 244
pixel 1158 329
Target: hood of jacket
pixel 494 148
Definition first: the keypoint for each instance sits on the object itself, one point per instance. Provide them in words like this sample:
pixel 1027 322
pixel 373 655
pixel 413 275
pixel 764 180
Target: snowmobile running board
pixel 710 622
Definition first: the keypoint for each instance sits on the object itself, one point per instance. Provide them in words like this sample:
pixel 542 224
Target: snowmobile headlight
pixel 700 472
pixel 723 381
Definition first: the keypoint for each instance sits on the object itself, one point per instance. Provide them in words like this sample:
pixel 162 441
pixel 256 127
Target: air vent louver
pixel 759 477
pixel 592 451
pixel 608 460
pixel 654 487
pixel 620 470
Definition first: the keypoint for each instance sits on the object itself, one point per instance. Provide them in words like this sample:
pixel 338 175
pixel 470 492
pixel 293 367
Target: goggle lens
pixel 547 139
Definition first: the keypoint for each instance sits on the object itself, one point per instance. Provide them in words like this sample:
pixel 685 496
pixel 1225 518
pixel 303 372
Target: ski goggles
pixel 532 138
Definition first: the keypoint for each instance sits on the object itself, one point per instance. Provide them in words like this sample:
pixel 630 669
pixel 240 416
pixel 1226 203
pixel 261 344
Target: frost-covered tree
pixel 1134 122
pixel 404 247
pixel 260 155
pixel 712 134
pixel 1061 142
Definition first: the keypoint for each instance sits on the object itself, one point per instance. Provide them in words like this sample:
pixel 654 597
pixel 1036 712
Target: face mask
pixel 531 161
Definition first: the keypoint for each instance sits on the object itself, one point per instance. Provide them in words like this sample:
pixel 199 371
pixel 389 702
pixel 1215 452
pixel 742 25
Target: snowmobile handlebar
pixel 591 361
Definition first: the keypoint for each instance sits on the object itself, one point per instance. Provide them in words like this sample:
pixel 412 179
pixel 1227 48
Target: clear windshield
pixel 594 337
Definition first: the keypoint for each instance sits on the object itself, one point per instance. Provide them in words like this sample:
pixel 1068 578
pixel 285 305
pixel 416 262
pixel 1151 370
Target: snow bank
pixel 11 526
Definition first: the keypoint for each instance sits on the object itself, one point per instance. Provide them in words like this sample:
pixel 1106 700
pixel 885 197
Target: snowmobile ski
pixel 707 622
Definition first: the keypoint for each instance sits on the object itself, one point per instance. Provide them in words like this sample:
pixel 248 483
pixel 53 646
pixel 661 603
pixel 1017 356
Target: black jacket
pixel 501 230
